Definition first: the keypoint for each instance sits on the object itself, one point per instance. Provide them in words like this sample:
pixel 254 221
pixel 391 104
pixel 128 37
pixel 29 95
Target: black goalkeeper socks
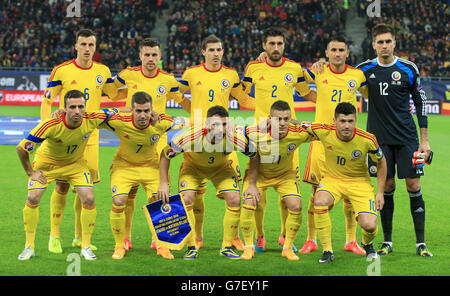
pixel 387 214
pixel 417 205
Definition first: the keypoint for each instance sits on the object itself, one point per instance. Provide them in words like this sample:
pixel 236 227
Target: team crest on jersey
pixel 29 146
pixel 396 76
pixel 225 83
pixel 373 169
pixel 86 136
pixel 356 154
pixel 99 79
pixel 289 78
pixel 291 147
pixel 162 89
pixel 171 153
pixel 31 183
pixel 47 94
pixel 352 84
pixel 183 184
pixel 166 208
pixel 155 138
pixel 114 189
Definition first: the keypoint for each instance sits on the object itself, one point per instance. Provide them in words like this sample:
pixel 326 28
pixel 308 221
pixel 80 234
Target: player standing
pixel 206 155
pixel 60 159
pixel 211 84
pixel 162 87
pixel 91 78
pixel 337 83
pixel 391 81
pixel 273 167
pixel 274 79
pixel 347 176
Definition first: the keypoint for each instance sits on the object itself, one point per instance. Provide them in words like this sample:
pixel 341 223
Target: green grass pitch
pixel 143 261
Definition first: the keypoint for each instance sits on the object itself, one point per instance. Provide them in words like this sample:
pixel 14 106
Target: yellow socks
pixel 191 217
pixel 247 222
pixel 129 211
pixel 87 219
pixel 350 221
pixel 259 214
pixel 57 205
pixel 283 215
pixel 312 233
pixel 199 212
pixel 77 208
pixel 293 223
pixel 30 221
pixel 117 220
pixel 230 224
pixel 323 226
pixel 368 237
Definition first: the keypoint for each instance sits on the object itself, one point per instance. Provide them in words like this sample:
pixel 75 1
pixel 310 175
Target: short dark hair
pixel 217 110
pixel 344 108
pixel 280 106
pixel 273 32
pixel 85 33
pixel 73 94
pixel 338 38
pixel 140 97
pixel 210 39
pixel 382 29
pixel 150 42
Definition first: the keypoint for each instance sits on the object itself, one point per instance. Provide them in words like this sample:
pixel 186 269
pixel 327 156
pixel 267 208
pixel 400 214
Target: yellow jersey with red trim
pixel 138 146
pixel 162 87
pixel 347 159
pixel 198 149
pixel 273 83
pixel 277 154
pixel 61 144
pixel 210 88
pixel 334 88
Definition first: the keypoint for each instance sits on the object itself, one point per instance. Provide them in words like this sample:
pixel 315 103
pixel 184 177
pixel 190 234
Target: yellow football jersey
pixel 277 154
pixel 92 81
pixel 334 88
pixel 205 155
pixel 347 159
pixel 138 146
pixel 162 87
pixel 273 84
pixel 210 88
pixel 61 144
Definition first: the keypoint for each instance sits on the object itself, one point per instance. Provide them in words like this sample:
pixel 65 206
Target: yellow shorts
pixel 286 185
pixel 234 162
pixel 359 192
pixel 76 174
pixel 315 165
pixel 193 179
pixel 123 178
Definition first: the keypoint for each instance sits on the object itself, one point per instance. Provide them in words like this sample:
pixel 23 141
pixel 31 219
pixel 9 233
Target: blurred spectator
pixel 37 34
pixel 422 33
pixel 240 25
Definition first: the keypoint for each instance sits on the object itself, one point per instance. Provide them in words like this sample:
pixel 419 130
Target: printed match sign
pixel 169 222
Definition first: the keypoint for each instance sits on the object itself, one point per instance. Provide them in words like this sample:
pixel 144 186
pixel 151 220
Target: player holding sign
pixel 346 148
pixel 135 162
pixel 60 159
pixel 206 155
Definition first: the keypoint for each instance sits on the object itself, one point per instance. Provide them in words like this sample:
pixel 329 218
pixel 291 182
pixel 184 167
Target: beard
pixel 275 57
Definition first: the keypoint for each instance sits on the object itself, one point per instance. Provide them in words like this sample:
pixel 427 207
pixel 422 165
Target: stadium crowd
pixel 30 37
